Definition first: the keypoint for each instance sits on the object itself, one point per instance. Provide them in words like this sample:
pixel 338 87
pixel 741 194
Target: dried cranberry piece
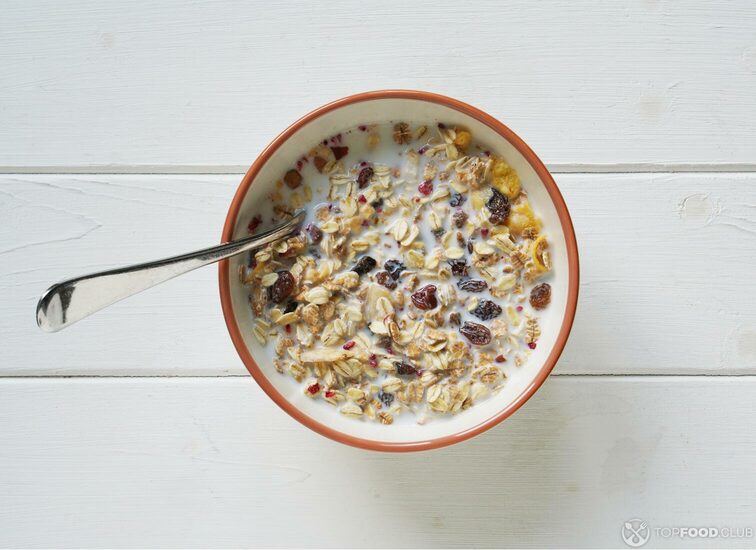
pixel 386 398
pixel 477 334
pixel 313 388
pixel 314 232
pixel 458 267
pixel 540 296
pixel 425 188
pixel 349 345
pixel 472 285
pixel 282 288
pixel 364 264
pixel 459 218
pixel 425 298
pixel 499 207
pixel 487 310
pixel 383 278
pixel 254 223
pixel 457 199
pixel 404 369
pixel 340 152
pixel 394 268
pixel 363 178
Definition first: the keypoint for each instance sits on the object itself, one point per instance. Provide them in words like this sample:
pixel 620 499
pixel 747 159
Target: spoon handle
pixel 69 301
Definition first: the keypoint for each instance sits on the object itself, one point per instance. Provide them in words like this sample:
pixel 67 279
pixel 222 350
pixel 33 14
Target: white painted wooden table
pixel 124 128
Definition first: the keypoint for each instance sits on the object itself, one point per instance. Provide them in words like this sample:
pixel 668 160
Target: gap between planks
pixel 622 168
pixel 211 376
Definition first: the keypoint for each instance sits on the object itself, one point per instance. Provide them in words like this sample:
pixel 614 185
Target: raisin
pixel 383 278
pixel 314 232
pixel 499 207
pixel 378 203
pixel 540 296
pixel 486 310
pixel 364 176
pixel 282 288
pixel 425 298
pixel 386 398
pixel 455 319
pixel 394 268
pixel 458 267
pixel 363 265
pixel 470 246
pixel 438 233
pixel 457 199
pixel 461 240
pixel 290 306
pixel 404 369
pixel 472 285
pixel 340 152
pixel 293 179
pixel 477 334
pixel 459 218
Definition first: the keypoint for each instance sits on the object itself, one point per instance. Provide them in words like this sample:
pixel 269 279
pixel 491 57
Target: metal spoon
pixel 69 301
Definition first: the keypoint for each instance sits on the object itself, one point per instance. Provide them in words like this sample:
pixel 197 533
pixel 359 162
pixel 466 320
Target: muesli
pixel 416 283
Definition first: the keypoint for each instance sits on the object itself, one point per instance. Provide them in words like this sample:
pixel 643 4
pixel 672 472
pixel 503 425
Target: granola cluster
pixel 415 285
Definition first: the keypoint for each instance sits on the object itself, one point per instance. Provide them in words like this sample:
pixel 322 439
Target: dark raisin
pixel 455 319
pixel 282 288
pixel 457 199
pixel 540 296
pixel 386 398
pixel 290 306
pixel 425 298
pixel 314 232
pixel 499 207
pixel 377 203
pixel 459 218
pixel 293 179
pixel 364 176
pixel 340 152
pixel 486 310
pixel 477 334
pixel 404 369
pixel 394 267
pixel 472 285
pixel 383 278
pixel 470 246
pixel 458 267
pixel 363 265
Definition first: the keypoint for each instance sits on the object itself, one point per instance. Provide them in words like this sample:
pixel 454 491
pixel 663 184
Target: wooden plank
pixel 667 273
pixel 156 84
pixel 213 463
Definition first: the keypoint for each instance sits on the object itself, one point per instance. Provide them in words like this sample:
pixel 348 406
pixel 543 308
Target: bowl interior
pixel 520 383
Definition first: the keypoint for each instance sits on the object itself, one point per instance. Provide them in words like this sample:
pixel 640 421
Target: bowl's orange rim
pixel 572 261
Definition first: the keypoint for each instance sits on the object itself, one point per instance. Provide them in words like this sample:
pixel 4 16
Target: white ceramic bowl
pixel 416 108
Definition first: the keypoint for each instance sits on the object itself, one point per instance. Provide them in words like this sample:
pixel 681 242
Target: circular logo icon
pixel 636 532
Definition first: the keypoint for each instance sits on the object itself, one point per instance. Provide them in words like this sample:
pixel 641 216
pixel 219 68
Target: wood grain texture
pixel 213 463
pixel 204 83
pixel 667 267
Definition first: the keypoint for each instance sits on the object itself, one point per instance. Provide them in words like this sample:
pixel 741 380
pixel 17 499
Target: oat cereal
pixel 414 287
